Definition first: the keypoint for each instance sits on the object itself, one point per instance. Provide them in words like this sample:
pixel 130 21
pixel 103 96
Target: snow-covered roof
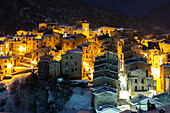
pixel 106 70
pixel 106 77
pixel 76 50
pixel 166 65
pixel 108 108
pixel 67 38
pixel 48 35
pixel 137 99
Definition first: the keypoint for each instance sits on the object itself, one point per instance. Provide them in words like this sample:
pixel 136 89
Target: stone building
pixel 43 69
pixel 50 40
pixel 49 68
pixel 104 95
pixel 107 109
pixel 72 41
pixel 106 84
pixel 106 65
pixel 165 46
pixel 164 77
pixel 6 65
pixel 46 57
pixel 138 102
pixel 140 83
pixel 39 52
pixel 54 68
pixel 91 50
pixel 71 65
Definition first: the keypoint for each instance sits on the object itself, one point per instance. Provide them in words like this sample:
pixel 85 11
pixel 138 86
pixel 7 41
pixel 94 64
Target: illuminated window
pixel 136 81
pixel 1 48
pixel 6 46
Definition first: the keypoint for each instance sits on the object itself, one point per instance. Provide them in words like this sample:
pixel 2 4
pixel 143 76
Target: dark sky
pixel 134 8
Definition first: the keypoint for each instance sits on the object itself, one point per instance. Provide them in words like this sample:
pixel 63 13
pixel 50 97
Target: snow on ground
pixel 80 99
pixel 3 94
pixel 19 77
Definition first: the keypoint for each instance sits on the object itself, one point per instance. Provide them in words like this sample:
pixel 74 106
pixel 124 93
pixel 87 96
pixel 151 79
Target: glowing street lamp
pixel 9 66
pixel 21 48
pixel 33 62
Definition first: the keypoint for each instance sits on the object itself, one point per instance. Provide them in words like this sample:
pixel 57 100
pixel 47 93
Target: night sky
pixel 134 8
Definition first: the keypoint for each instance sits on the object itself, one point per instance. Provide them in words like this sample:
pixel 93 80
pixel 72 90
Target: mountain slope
pixel 26 14
pixel 159 16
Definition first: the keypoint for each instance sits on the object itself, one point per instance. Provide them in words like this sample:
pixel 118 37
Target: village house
pixel 6 65
pixel 71 65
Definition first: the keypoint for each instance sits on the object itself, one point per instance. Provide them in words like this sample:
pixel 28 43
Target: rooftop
pixel 5 57
pixel 138 98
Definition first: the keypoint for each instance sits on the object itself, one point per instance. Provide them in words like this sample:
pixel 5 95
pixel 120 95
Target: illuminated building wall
pixel 2 49
pixel 51 40
pixel 37 43
pixel 42 26
pixel 91 50
pixel 39 52
pixel 71 42
pixel 65 29
pixel 22 32
pixel 165 47
pixel 106 30
pixel 29 41
pixel 6 65
pixel 145 41
pixel 165 73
